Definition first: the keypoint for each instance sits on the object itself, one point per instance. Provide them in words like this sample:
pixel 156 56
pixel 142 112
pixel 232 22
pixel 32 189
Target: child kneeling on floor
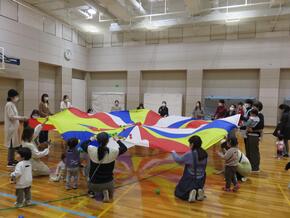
pixel 231 163
pixel 22 176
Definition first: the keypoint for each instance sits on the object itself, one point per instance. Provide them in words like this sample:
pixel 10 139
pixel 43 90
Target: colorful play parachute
pixel 140 127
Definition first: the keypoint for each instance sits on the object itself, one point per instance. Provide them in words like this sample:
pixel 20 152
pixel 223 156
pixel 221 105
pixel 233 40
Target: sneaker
pixel 226 189
pixel 18 205
pixel 192 195
pixel 27 203
pixel 75 187
pixel 244 179
pixel 236 188
pixel 10 165
pixel 91 194
pixel 255 171
pixel 68 188
pixel 106 197
pixel 200 195
pixel 285 155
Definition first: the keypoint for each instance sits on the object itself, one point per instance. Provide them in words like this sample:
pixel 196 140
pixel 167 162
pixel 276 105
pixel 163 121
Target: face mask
pixel 232 108
pixel 46 99
pixel 66 100
pixel 163 105
pixel 116 104
pixel 35 116
pixel 16 99
pixel 246 105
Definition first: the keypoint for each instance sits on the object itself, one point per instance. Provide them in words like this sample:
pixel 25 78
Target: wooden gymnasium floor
pixel 139 173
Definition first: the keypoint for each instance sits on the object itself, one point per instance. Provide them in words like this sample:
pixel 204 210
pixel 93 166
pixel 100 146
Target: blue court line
pixel 51 206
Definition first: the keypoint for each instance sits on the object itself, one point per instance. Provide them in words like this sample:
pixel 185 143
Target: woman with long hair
pixel 190 186
pixel 102 164
pixel 44 111
pixel 198 111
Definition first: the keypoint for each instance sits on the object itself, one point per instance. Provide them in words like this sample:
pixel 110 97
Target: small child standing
pixel 60 170
pixel 72 163
pixel 280 146
pixel 231 163
pixel 22 176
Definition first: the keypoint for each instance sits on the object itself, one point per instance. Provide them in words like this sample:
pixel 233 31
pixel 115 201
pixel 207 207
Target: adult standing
pixel 163 110
pixel 116 106
pixel 44 111
pixel 198 112
pixel 283 127
pixel 65 103
pixel 221 110
pixel 11 125
pixel 253 139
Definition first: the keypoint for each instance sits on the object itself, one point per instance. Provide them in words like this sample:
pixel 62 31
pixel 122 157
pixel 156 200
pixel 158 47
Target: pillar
pixel 194 79
pixel 63 85
pixel 133 88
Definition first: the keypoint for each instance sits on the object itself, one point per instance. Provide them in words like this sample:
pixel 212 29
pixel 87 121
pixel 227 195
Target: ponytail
pixel 102 151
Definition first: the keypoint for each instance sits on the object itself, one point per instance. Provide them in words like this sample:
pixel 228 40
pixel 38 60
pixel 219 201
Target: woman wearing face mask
pixel 65 103
pixel 163 110
pixel 11 125
pixel 198 111
pixel 116 106
pixel 232 110
pixel 44 112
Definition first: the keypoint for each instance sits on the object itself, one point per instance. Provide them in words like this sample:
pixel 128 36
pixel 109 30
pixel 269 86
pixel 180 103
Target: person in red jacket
pixel 221 110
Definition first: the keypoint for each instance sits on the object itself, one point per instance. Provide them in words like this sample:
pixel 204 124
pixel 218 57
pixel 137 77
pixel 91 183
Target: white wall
pixel 284 90
pixel 22 41
pixel 163 82
pixel 231 83
pixel 5 85
pixel 235 54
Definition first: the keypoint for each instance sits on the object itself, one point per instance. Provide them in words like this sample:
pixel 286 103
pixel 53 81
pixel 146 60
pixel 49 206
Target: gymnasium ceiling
pixel 125 15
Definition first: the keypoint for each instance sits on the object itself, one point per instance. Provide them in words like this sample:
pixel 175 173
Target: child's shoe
pixel 75 187
pixel 192 195
pixel 67 188
pixel 27 203
pixel 18 205
pixel 200 195
pixel 236 188
pixel 244 179
pixel 106 197
pixel 91 194
pixel 226 189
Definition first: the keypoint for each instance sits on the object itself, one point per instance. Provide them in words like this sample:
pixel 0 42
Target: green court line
pixel 85 194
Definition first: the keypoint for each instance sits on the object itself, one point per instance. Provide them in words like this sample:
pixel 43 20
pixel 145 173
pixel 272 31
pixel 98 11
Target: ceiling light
pixel 115 27
pixel 90 28
pixel 232 20
pixel 92 11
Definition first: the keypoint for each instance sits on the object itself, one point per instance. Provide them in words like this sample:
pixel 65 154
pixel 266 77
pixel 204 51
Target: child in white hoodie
pixel 22 176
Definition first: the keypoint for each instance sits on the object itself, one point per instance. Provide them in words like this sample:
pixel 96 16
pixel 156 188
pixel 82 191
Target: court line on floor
pixel 283 193
pixel 85 194
pixel 117 200
pixel 37 203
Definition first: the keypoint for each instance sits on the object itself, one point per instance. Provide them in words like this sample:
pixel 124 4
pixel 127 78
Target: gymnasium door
pixel 79 94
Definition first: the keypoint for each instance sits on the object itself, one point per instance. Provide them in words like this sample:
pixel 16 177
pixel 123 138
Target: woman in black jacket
pixel 102 164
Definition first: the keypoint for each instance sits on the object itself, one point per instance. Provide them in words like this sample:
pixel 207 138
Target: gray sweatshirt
pixel 231 157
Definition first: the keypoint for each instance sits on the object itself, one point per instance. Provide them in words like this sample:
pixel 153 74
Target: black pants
pixel 43 136
pixel 246 146
pixel 230 175
pixel 254 152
